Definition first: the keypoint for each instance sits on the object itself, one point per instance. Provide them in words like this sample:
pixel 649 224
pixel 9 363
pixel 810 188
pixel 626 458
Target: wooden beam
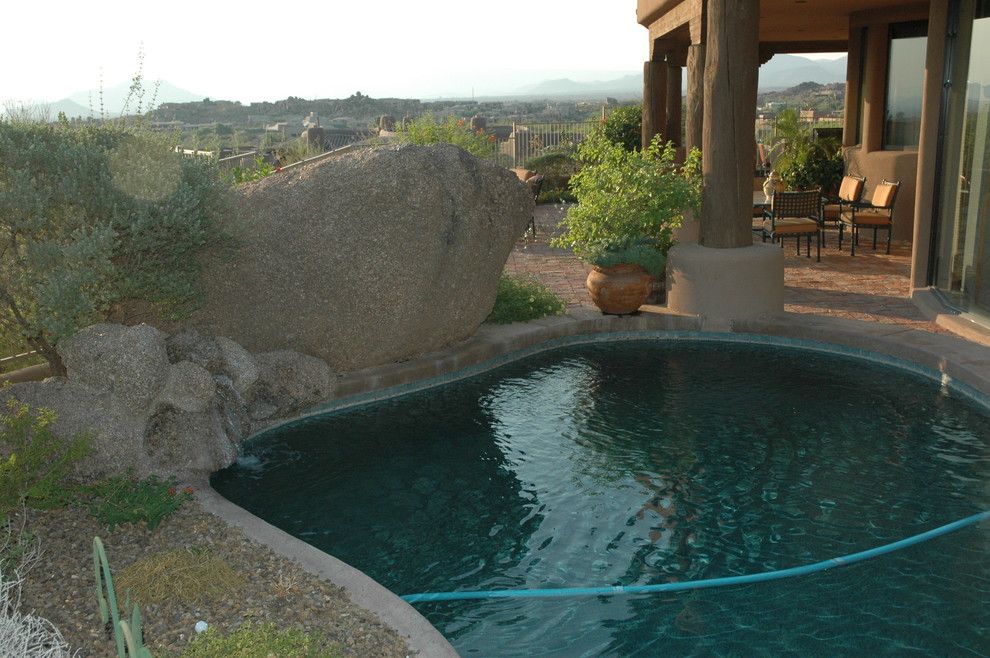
pixel 678 17
pixel 728 140
pixel 648 11
pixel 654 99
pixel 695 96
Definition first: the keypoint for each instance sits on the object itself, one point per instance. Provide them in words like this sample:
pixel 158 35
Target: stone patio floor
pixel 870 286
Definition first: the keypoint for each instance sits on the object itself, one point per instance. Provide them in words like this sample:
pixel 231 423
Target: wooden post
pixel 695 95
pixel 654 99
pixel 672 129
pixel 728 140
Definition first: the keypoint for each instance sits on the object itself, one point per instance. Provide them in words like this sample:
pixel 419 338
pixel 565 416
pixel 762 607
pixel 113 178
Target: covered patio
pixel 872 287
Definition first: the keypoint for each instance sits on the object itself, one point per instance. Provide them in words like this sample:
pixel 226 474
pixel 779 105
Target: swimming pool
pixel 647 462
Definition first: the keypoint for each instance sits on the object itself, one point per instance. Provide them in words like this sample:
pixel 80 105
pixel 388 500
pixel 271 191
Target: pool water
pixel 641 462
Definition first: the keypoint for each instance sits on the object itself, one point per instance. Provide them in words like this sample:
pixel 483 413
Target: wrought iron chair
pixel 878 213
pixel 794 214
pixel 850 192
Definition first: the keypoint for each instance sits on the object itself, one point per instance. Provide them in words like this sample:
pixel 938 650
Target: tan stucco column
pixel 672 129
pixel 654 99
pixel 695 95
pixel 728 136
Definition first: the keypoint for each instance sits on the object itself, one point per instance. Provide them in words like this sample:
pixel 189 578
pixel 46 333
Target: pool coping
pixel 961 365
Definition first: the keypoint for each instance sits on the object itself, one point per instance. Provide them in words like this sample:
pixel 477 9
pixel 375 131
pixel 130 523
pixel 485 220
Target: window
pixel 963 265
pixel 905 85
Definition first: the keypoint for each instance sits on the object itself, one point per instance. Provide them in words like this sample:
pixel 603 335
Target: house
pixel 917 110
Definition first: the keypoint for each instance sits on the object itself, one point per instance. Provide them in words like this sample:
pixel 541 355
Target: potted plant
pixel 628 205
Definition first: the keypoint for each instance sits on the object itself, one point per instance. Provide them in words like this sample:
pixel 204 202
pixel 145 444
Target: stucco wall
pixel 892 165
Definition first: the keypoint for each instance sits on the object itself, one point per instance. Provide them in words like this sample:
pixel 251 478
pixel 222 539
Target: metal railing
pixel 530 140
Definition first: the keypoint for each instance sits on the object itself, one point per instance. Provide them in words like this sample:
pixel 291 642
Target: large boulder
pixel 288 382
pixel 128 362
pixel 366 258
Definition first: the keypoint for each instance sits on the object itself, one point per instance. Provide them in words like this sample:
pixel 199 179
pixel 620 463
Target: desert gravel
pixel 61 587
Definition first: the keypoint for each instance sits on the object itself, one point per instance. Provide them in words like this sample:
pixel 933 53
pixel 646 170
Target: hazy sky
pixel 250 50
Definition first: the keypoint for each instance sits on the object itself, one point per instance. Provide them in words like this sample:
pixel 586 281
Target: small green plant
pixel 557 169
pixel 556 196
pixel 191 575
pixel 128 636
pixel 521 300
pixel 624 126
pixel 260 641
pixel 629 202
pixel 260 170
pixel 34 463
pixel 427 130
pixel 119 500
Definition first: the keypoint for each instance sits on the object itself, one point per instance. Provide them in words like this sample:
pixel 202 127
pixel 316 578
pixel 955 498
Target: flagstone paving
pixel 871 286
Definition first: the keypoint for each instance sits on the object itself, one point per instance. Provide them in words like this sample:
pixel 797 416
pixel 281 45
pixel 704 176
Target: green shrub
pixel 624 126
pixel 94 214
pixel 118 500
pixel 803 162
pixel 556 196
pixel 629 202
pixel 557 169
pixel 260 641
pixel 521 300
pixel 34 463
pixel 260 170
pixel 427 130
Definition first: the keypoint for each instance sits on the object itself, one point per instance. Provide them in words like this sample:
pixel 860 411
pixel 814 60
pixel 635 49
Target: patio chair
pixel 850 192
pixel 794 214
pixel 878 213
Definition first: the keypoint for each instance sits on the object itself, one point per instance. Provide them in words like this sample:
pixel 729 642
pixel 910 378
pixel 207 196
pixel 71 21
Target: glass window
pixel 905 85
pixel 963 264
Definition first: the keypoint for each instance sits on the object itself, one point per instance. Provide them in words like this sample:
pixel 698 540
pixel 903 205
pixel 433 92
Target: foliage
pixel 427 130
pixel 297 150
pixel 259 641
pixel 128 635
pixel 260 170
pixel 193 575
pixel 96 214
pixel 802 161
pixel 521 300
pixel 629 202
pixel 34 463
pixel 624 126
pixel 557 169
pixel 25 635
pixel 556 195
pixel 118 500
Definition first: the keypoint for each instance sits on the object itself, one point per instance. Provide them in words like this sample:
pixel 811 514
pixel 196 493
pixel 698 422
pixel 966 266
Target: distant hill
pixel 781 72
pixel 79 103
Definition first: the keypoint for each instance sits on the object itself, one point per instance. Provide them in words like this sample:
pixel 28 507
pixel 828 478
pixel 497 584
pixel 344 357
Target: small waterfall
pixel 232 413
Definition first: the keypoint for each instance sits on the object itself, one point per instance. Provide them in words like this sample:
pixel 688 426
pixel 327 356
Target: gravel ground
pixel 61 586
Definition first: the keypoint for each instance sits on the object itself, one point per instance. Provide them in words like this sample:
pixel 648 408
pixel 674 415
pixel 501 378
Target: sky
pixel 249 50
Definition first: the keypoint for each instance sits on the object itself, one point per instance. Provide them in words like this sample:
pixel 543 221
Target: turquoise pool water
pixel 646 462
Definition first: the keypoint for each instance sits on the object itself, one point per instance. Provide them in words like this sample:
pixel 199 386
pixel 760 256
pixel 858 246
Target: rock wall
pixel 373 257
pixel 177 405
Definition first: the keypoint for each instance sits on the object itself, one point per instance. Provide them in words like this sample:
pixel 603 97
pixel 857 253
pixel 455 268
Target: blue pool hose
pixel 706 583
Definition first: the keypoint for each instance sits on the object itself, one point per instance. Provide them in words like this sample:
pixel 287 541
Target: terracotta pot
pixel 619 290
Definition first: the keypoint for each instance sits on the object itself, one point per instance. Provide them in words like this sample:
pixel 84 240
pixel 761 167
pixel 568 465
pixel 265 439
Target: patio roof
pixel 785 25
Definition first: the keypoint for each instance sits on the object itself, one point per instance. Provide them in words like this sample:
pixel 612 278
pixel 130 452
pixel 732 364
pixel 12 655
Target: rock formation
pixel 371 257
pixel 175 405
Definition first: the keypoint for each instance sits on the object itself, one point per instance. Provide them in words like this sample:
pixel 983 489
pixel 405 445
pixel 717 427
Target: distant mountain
pixel 781 72
pixel 627 85
pixel 114 97
pixel 784 71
